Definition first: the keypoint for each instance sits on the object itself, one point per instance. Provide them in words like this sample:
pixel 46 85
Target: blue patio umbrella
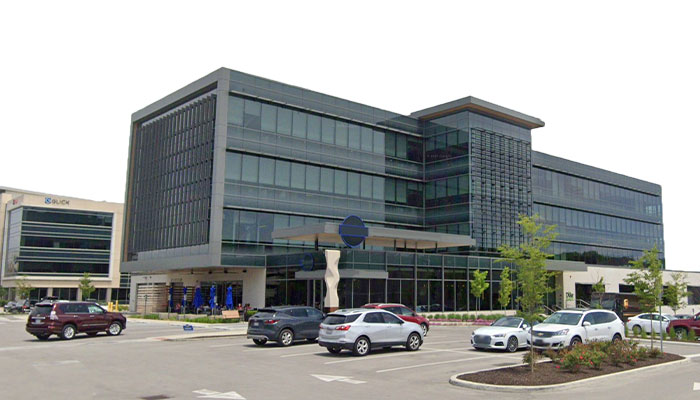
pixel 170 297
pixel 229 298
pixel 212 297
pixel 197 302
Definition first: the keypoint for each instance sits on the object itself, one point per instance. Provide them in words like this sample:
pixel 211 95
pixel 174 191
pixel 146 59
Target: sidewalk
pixel 200 331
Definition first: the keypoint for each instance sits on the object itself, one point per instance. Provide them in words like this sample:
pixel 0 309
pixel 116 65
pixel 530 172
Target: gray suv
pixel 284 324
pixel 361 330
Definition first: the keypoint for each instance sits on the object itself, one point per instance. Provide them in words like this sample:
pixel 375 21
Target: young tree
pixel 479 286
pixel 86 286
pixel 676 293
pixel 24 288
pixel 599 287
pixel 506 288
pixel 648 282
pixel 532 277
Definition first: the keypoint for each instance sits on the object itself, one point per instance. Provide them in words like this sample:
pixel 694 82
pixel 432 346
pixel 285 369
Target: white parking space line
pixel 371 357
pixel 442 362
pixel 303 354
pixel 445 342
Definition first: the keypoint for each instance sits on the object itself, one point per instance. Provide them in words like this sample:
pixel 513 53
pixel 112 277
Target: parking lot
pixel 138 365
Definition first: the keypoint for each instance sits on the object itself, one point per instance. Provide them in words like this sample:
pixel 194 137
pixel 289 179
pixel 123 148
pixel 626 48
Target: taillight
pixel 342 328
pixel 271 321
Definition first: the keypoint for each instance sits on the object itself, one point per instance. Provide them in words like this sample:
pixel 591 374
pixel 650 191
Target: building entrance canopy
pixel 328 232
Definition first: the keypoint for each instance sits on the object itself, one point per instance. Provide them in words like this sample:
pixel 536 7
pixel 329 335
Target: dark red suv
pixel 66 319
pixel 404 313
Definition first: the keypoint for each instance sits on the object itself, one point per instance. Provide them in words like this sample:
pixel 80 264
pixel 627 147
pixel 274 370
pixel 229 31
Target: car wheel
pixel 361 346
pixel 42 337
pixel 512 344
pixel 68 332
pixel 616 338
pixel 575 341
pixel 413 342
pixel 680 333
pixel 424 328
pixel 286 337
pixel 260 342
pixel 115 328
pixel 334 350
pixel 637 330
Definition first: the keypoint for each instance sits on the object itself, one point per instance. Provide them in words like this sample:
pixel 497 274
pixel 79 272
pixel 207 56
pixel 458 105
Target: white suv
pixel 363 329
pixel 573 326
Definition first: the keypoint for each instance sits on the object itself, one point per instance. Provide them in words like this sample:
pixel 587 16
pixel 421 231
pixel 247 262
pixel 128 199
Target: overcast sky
pixel 617 83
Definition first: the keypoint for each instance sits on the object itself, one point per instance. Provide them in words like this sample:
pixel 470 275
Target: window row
pixel 275 119
pixel 567 186
pixel 586 220
pixel 287 174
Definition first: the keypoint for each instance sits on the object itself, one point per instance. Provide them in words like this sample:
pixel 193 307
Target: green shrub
pixel 655 353
pixel 528 355
pixel 3 302
pixel 574 359
pixel 641 353
pixel 150 316
pixel 691 335
pixel 553 355
pixel 627 331
pixel 644 334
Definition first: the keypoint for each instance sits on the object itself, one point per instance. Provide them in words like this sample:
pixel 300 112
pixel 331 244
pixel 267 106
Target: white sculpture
pixel 332 277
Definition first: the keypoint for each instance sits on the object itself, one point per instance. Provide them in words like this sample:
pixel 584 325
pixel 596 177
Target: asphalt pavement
pixel 139 364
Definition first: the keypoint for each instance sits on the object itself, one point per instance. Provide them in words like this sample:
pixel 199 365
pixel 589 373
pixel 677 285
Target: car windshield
pixel 563 318
pixel 507 322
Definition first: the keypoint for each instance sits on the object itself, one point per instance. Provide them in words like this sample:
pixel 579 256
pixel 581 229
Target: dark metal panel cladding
pixel 171 186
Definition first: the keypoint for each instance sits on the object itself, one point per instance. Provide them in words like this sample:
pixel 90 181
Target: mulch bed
pixel 546 373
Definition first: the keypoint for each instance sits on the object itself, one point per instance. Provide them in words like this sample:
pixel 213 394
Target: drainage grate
pixel 156 397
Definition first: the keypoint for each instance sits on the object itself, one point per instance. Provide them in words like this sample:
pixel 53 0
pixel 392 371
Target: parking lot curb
pixel 454 380
pixel 195 336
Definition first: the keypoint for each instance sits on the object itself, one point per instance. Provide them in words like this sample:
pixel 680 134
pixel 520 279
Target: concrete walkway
pixel 200 330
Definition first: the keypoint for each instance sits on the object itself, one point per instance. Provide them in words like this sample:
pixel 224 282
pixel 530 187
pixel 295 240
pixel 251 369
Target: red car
pixel 681 327
pixel 404 313
pixel 67 319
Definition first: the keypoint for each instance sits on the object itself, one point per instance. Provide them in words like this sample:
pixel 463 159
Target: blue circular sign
pixel 353 231
pixel 307 262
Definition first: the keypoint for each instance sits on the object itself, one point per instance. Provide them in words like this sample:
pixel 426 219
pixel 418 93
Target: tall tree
pixel 24 288
pixel 647 279
pixel 479 285
pixel 506 290
pixel 86 286
pixel 676 293
pixel 532 276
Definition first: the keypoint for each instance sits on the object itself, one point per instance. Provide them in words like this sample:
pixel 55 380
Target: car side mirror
pixel 586 323
pixel 401 321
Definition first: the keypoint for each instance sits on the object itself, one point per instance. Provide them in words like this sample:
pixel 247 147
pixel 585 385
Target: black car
pixel 19 306
pixel 284 324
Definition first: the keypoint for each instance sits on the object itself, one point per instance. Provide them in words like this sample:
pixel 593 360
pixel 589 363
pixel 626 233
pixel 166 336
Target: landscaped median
pixel 567 367
pixel 196 318
pixel 462 319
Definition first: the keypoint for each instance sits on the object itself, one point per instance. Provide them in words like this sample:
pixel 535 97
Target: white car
pixel 363 329
pixel 573 326
pixel 647 322
pixel 507 333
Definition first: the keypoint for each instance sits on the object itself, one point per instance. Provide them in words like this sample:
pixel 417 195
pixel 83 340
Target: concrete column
pixel 332 278
pixel 254 287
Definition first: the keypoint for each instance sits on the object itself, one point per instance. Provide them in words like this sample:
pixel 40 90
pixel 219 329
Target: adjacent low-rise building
pixel 50 241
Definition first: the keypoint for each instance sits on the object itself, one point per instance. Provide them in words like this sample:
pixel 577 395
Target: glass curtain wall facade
pixel 291 157
pixel 599 221
pixel 50 242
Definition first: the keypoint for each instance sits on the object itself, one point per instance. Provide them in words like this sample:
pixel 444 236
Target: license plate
pixel 36 321
pixel 539 342
pixel 329 331
pixel 256 323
